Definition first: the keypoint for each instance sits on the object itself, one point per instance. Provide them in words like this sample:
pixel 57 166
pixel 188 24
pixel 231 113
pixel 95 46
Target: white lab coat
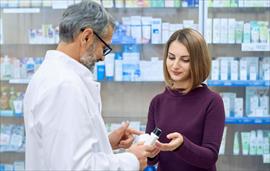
pixel 64 127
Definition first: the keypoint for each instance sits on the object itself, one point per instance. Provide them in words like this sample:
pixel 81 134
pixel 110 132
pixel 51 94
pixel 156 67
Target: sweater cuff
pixel 184 148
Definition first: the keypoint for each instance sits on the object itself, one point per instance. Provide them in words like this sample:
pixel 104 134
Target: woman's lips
pixel 176 73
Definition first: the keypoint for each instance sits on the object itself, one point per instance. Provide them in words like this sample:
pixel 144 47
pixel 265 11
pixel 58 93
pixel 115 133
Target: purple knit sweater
pixel 199 116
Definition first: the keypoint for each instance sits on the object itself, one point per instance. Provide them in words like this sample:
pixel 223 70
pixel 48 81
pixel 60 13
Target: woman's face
pixel 178 63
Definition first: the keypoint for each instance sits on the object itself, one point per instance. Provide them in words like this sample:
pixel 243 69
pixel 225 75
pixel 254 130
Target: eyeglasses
pixel 107 49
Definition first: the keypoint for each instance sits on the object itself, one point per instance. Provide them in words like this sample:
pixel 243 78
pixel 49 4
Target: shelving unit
pixel 228 161
pixel 129 100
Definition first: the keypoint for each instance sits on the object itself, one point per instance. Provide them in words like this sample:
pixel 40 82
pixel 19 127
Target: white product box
pixel 118 69
pixel 169 3
pixel 241 3
pixel 36 3
pixel 188 23
pixel 265 68
pixel 224 69
pixel 243 69
pixel 156 30
pixel 131 4
pixel 109 66
pixel 145 68
pixel 119 3
pixel 165 32
pixel 178 27
pixel 231 30
pixel 136 28
pixel 18 165
pixel 146 29
pixel 254 101
pixel 215 70
pixel 127 22
pixel 1 31
pixel 239 107
pixel 253 72
pixel 209 30
pixel 223 142
pixel 264 104
pixel 171 29
pixel 216 30
pixel 227 106
pixel 253 65
pixel 255 32
pixel 157 69
pixel 24 3
pixel 234 68
pixel 239 27
pixel 107 4
pixel 264 34
pixel 224 30
pixel 247 32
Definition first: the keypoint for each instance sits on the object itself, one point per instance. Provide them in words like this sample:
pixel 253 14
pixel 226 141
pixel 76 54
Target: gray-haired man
pixel 62 106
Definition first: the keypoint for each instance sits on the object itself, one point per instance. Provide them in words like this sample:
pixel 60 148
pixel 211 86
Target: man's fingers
pixel 134 131
pixel 127 141
pixel 124 125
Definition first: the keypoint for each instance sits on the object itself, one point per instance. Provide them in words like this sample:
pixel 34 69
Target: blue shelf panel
pixel 9 114
pixel 248 120
pixel 239 83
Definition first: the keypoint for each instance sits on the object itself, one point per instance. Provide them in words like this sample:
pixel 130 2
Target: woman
pixel 190 115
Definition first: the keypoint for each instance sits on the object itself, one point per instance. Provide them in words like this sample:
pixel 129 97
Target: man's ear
pixel 87 36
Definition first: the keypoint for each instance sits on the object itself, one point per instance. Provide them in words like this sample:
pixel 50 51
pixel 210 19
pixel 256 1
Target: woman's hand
pixel 176 141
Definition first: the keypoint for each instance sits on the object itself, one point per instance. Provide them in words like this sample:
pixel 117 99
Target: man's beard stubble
pixel 89 58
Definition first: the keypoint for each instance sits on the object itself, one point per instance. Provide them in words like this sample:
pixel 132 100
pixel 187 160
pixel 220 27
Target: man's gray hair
pixel 83 15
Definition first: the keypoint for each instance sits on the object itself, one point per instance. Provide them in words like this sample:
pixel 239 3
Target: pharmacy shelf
pixel 9 114
pixel 6 113
pixel 238 9
pixel 37 9
pixel 247 162
pixel 11 152
pixel 19 81
pixel 18 120
pixel 217 83
pixel 239 83
pixel 250 47
pixel 248 120
pixel 245 47
pixel 20 10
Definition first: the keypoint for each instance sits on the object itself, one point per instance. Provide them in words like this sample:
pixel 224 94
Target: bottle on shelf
pixel 6 68
pixel 4 99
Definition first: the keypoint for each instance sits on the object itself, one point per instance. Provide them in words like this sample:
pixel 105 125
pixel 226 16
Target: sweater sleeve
pixel 150 127
pixel 206 154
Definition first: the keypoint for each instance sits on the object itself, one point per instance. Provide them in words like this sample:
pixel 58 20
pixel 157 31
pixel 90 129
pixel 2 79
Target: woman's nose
pixel 176 64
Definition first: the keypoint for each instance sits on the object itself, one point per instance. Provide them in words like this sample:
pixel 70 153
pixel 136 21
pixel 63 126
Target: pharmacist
pixel 62 106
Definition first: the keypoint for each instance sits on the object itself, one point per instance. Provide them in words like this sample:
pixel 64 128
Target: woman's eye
pixel 171 57
pixel 185 60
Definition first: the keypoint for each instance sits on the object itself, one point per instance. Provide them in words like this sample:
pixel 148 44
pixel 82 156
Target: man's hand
pixel 123 136
pixel 138 149
pixel 151 151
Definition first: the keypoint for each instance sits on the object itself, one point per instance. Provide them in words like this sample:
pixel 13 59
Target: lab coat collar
pixel 72 63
